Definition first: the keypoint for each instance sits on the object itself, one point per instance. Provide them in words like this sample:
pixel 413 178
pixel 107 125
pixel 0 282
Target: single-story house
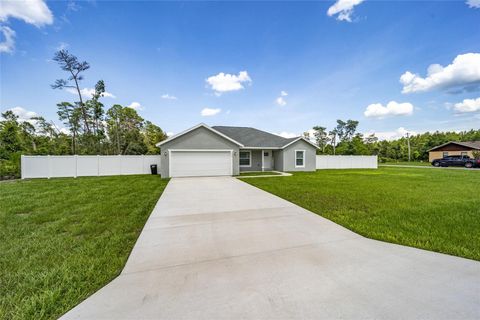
pixel 453 148
pixel 226 151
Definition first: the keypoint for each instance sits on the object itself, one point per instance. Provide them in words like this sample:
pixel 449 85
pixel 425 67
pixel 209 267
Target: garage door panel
pixel 200 163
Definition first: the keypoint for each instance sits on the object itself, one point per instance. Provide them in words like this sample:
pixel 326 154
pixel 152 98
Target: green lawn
pixel 411 163
pixel 437 210
pixel 260 173
pixel 63 239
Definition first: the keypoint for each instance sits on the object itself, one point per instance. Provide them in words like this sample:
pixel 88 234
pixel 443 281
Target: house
pixel 453 148
pixel 226 151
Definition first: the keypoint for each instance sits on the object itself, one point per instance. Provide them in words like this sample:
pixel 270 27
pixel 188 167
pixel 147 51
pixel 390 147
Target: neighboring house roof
pixel 195 127
pixel 469 144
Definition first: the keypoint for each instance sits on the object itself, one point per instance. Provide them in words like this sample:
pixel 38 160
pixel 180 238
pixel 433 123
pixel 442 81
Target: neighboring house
pixel 453 148
pixel 219 150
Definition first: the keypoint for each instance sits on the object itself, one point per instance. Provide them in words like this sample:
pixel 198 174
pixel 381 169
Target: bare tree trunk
pixel 84 112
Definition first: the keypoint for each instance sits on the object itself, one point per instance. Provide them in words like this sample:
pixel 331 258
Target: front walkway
pixel 218 248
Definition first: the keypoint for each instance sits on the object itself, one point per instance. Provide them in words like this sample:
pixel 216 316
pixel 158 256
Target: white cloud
pixel 168 97
pixel 135 106
pixel 463 71
pixel 473 3
pixel 34 12
pixel 467 105
pixel 224 82
pixel 391 135
pixel 169 134
pixel 281 100
pixel 287 134
pixel 344 9
pixel 8 44
pixel 62 46
pixel 89 92
pixel 23 114
pixel 207 112
pixel 64 130
pixel 393 108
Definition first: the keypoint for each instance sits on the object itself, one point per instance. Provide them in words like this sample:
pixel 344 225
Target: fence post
pixel 76 165
pixel 143 163
pixel 22 160
pixel 120 164
pixel 49 167
pixel 98 165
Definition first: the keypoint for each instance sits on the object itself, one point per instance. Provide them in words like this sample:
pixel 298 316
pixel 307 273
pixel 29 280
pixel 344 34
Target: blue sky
pixel 279 66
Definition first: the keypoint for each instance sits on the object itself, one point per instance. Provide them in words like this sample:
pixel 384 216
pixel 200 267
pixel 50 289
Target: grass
pixel 63 239
pixel 437 210
pixel 260 173
pixel 411 163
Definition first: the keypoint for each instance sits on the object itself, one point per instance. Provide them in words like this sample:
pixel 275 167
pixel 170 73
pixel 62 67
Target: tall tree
pixel 321 137
pixel 153 135
pixel 70 63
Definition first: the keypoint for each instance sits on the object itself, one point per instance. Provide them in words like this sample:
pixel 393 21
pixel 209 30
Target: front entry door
pixel 267 159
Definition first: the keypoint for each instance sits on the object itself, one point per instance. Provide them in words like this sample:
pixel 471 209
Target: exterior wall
pixel 432 155
pixel 289 156
pixel 278 160
pixel 200 138
pixel 255 161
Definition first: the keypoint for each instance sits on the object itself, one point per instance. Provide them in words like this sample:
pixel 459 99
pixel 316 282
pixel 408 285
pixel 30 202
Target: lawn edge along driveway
pixel 63 239
pixel 437 210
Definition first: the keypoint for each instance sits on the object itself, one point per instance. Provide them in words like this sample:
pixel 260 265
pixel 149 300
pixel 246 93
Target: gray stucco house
pixel 221 150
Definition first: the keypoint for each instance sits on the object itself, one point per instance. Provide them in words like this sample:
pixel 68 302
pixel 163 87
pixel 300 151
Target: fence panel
pixel 81 166
pixel 346 162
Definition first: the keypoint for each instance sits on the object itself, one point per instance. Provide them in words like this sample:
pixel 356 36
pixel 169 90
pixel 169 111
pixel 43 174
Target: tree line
pixel 344 139
pixel 90 128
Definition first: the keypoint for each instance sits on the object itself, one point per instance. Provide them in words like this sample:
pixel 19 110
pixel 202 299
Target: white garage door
pixel 200 163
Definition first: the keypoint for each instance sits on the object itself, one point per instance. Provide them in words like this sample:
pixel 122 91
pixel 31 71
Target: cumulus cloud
pixel 224 82
pixel 166 96
pixel 34 12
pixel 281 99
pixel 393 108
pixel 89 92
pixel 23 114
pixel 463 72
pixel 343 9
pixel 208 112
pixel 287 134
pixel 135 106
pixel 8 44
pixel 467 105
pixel 473 3
pixel 391 135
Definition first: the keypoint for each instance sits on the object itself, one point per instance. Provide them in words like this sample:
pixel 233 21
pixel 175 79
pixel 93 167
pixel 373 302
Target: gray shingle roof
pixel 251 137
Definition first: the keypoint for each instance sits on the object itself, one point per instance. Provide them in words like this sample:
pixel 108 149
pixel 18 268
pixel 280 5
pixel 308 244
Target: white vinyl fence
pixel 81 166
pixel 347 162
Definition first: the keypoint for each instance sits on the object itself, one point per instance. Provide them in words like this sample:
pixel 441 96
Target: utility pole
pixel 408 143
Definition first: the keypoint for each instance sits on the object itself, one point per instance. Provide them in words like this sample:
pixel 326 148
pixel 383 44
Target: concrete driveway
pixel 218 248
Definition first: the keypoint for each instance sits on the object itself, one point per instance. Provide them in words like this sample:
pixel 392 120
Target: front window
pixel 445 154
pixel 245 158
pixel 299 158
pixel 464 153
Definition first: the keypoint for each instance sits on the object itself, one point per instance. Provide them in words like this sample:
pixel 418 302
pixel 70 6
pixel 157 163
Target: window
pixel 299 158
pixel 245 158
pixel 464 153
pixel 445 154
pixel 265 154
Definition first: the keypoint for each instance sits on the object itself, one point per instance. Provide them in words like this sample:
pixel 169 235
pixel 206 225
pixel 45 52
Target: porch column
pixel 262 159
